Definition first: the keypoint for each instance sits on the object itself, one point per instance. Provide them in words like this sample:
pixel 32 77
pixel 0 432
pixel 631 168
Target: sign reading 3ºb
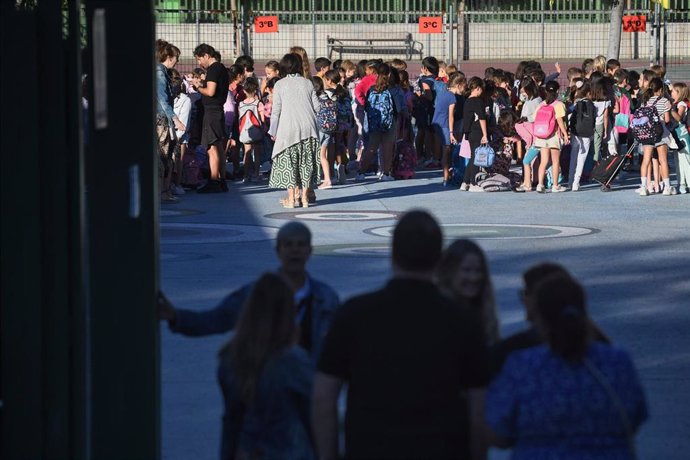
pixel 431 25
pixel 266 24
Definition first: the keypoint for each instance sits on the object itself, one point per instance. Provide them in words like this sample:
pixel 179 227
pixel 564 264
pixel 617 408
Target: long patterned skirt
pixel 296 166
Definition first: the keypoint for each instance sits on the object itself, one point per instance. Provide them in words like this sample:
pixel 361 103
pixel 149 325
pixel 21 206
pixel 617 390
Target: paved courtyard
pixel 632 254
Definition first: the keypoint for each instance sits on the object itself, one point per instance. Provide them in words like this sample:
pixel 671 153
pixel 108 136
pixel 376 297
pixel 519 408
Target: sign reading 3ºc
pixel 431 25
pixel 266 24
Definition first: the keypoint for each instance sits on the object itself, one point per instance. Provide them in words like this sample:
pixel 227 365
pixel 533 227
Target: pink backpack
pixel 623 117
pixel 545 122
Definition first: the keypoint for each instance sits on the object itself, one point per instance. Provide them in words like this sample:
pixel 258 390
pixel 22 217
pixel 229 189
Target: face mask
pixel 523 97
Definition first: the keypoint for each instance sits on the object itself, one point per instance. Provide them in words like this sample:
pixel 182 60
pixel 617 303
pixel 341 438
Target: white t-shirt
pixel 601 106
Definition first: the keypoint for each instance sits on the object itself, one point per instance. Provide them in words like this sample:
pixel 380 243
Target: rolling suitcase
pixel 608 168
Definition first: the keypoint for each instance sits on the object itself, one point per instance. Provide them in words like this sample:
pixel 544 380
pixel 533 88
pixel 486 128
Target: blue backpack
pixel 328 115
pixel 380 111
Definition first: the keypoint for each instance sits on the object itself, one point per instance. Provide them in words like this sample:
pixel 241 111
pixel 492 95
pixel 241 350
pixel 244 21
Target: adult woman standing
pixel 573 398
pixel 463 274
pixel 293 127
pixel 266 379
pixel 166 119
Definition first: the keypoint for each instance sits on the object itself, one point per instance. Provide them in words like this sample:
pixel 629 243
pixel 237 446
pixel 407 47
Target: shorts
pixel 213 130
pixel 553 142
pixel 326 139
pixel 442 134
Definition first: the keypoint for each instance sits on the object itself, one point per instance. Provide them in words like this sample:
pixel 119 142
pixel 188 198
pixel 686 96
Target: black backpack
pixel 584 118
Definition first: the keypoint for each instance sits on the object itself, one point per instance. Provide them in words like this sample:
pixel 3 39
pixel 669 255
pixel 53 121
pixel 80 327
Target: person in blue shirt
pixel 572 398
pixel 443 122
pixel 316 302
pixel 266 379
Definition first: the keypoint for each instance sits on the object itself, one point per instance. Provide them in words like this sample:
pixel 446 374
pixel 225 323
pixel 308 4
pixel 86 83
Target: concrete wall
pixel 480 41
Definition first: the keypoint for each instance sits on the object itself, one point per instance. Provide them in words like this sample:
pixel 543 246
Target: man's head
pixel 205 55
pixel 417 243
pixel 293 245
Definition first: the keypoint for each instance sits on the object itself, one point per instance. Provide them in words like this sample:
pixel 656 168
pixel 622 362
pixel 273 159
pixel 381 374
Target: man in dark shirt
pixel 407 353
pixel 213 92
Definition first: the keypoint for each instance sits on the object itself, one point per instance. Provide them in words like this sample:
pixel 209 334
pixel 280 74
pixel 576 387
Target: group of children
pixel 370 111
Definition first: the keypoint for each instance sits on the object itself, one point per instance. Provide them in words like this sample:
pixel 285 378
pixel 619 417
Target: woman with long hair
pixel 266 379
pixel 572 398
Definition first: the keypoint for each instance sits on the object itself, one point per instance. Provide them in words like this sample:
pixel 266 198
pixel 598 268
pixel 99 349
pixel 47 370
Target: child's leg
pixel 387 150
pixel 646 163
pixel 655 170
pixel 325 170
pixel 370 152
pixel 545 154
pixel 445 162
pixel 683 169
pixel 258 150
pixel 179 163
pixel 555 167
pixel 598 139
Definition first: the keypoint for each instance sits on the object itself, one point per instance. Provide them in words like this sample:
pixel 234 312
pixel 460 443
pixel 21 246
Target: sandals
pixel 523 188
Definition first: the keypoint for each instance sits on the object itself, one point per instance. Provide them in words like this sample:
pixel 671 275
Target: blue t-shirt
pixel 444 99
pixel 552 408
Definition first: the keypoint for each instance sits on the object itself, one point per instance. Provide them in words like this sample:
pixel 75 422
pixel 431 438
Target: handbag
pixel 484 156
pixel 684 138
pixel 465 149
pixel 625 420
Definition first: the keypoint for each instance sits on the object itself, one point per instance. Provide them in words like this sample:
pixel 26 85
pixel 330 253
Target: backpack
pixel 380 111
pixel 545 122
pixel 405 160
pixel 250 124
pixel 422 107
pixel 622 122
pixel 585 117
pixel 646 124
pixel 327 117
pixel 496 183
pixel 344 113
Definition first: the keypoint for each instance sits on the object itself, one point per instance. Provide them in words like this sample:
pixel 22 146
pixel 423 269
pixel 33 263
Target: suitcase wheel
pixel 605 188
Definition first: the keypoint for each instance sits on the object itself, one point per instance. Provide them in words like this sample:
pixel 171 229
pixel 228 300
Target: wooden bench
pixel 381 46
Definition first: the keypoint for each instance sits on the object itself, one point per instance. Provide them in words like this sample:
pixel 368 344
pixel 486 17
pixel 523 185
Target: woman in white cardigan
pixel 294 130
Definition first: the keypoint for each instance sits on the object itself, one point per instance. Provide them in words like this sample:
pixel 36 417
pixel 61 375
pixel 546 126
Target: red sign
pixel 634 23
pixel 266 24
pixel 431 25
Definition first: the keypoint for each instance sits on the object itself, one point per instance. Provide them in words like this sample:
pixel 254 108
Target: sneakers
pixel 668 191
pixel 475 189
pixel 464 187
pixel 360 177
pixel 642 191
pixel 387 178
pixel 576 188
pixel 212 186
pixel 558 189
pixel 682 190
pixel 540 188
pixel 176 190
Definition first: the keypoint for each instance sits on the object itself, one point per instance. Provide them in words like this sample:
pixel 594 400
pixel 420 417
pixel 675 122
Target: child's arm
pixel 262 117
pixel 451 123
pixel 606 122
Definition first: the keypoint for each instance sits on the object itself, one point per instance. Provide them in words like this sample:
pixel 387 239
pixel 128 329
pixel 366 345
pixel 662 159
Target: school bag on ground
pixel 327 117
pixel 496 183
pixel 622 122
pixel 405 160
pixel 380 111
pixel 584 118
pixel 545 122
pixel 646 125
pixel 250 124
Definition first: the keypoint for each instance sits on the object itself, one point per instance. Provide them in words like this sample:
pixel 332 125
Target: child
pixel 344 118
pixel 271 69
pixel 380 112
pixel 322 65
pixel 654 97
pixel 475 129
pixel 679 113
pixel 324 90
pixel 235 95
pixel 530 99
pixel 603 105
pixel 582 133
pixel 551 146
pixel 443 124
pixel 251 129
pixel 183 110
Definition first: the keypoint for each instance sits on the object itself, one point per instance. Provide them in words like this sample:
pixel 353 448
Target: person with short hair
pixel 322 65
pixel 214 92
pixel 407 354
pixel 316 302
pixel 571 398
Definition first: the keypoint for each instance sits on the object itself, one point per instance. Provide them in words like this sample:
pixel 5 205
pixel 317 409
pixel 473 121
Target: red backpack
pixel 545 122
pixel 624 115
